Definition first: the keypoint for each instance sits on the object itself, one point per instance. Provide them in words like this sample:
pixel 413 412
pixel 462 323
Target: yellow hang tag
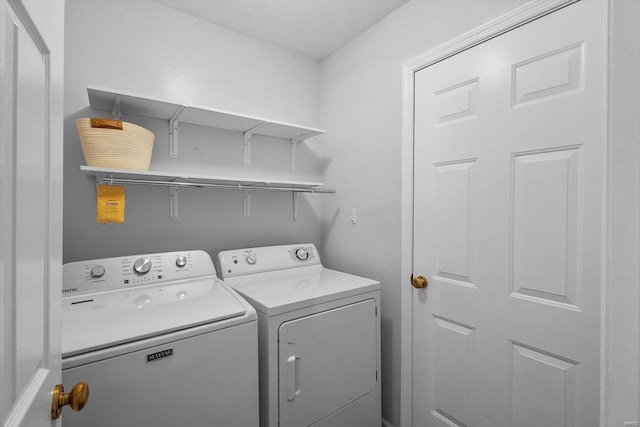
pixel 109 203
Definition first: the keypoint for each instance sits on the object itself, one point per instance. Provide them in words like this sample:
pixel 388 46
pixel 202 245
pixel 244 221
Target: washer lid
pixel 100 320
pixel 282 291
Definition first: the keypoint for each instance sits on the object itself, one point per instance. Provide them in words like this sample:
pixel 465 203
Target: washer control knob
pixel 251 259
pixel 97 271
pixel 302 254
pixel 142 266
pixel 181 261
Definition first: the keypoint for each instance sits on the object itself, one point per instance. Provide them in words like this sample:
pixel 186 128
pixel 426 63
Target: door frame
pixel 625 276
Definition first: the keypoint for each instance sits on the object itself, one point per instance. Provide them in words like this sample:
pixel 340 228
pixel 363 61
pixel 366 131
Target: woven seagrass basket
pixel 115 144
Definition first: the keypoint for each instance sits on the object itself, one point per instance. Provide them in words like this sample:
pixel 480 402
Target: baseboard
pixel 386 423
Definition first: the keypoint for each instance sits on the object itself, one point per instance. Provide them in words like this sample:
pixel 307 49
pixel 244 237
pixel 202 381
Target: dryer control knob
pixel 302 254
pixel 181 261
pixel 251 259
pixel 97 271
pixel 142 266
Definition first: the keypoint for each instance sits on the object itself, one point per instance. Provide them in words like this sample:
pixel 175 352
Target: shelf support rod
pixel 296 196
pixel 116 112
pixel 173 202
pixel 174 124
pixel 247 203
pixel 294 145
pixel 247 142
pixel 124 181
pixel 100 179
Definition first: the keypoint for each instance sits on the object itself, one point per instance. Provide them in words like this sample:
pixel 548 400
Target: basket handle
pixel 106 123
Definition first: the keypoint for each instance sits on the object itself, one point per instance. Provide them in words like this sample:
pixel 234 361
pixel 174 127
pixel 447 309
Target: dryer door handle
pixel 293 377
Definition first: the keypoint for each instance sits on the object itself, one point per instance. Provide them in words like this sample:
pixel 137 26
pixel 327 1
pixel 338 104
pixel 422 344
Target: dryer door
pixel 326 362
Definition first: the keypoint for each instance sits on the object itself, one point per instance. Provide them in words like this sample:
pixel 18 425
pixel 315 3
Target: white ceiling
pixel 312 27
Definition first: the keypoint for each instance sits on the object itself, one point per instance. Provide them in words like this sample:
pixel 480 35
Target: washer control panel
pixel 269 258
pixel 135 270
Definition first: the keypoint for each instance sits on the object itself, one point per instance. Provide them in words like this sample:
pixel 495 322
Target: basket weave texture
pixel 129 148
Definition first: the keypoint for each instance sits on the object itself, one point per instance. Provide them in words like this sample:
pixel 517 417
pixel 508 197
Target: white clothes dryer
pixel 319 337
pixel 161 342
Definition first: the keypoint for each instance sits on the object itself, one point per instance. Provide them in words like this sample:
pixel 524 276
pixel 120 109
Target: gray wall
pixel 146 48
pixel 361 108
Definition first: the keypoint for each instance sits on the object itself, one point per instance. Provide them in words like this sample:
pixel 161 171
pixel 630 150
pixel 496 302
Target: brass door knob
pixel 77 399
pixel 419 282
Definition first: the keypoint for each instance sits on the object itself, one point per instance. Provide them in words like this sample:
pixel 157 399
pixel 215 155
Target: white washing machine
pixel 319 337
pixel 161 342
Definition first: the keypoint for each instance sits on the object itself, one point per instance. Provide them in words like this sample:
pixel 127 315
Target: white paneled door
pixel 31 49
pixel 508 200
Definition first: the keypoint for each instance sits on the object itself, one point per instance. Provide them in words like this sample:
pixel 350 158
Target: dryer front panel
pixel 327 361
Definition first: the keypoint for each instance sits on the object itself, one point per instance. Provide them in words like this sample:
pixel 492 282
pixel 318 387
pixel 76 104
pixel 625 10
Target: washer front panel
pixel 203 380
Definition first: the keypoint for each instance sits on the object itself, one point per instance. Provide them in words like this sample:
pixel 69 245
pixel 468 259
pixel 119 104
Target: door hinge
pixel 376 311
pixel 376 375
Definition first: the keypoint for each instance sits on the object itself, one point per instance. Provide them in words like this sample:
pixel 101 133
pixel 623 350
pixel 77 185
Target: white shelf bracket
pixel 296 197
pixel 247 142
pixel 294 145
pixel 247 147
pixel 173 202
pixel 116 112
pixel 174 124
pixel 247 203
